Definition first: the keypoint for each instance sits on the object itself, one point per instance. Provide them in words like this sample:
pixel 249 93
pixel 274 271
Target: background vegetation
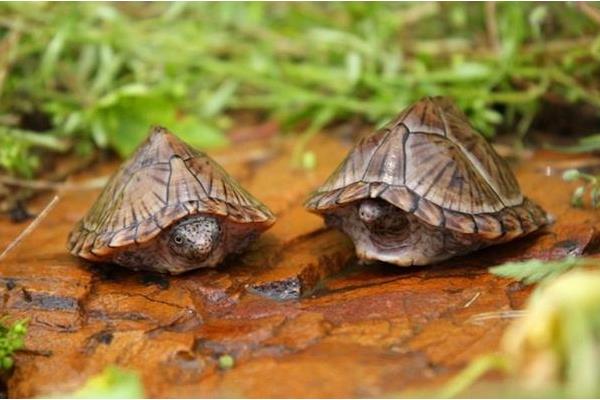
pixel 75 77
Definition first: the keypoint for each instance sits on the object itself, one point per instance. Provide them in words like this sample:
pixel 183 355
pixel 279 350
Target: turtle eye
pixel 178 239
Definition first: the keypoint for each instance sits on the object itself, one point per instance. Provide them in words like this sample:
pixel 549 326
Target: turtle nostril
pixel 366 217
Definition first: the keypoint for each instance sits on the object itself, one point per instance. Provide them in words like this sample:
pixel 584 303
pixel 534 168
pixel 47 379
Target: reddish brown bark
pixel 297 313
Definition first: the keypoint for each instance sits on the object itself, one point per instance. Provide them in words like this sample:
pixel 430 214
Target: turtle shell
pixel 429 161
pixel 164 181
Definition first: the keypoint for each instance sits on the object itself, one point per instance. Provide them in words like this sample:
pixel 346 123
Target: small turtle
pixel 425 188
pixel 169 208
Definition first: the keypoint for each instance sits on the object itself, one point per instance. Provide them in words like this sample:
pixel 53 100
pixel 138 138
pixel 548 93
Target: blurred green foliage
pixel 99 74
pixel 112 383
pixel 12 338
pixel 591 185
pixel 536 271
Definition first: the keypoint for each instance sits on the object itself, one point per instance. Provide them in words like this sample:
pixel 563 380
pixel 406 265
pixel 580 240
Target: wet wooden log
pixel 298 314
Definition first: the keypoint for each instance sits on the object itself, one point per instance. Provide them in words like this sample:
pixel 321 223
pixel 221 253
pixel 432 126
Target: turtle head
pixel 382 218
pixel 195 238
pixel 371 210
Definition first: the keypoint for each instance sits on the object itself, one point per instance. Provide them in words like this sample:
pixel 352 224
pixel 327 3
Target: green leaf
pixel 198 133
pixel 570 175
pixel 535 271
pixel 51 55
pixel 219 99
pixel 128 116
pixel 577 197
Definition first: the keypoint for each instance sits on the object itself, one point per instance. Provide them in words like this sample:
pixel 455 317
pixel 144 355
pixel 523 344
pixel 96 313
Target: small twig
pixel 25 189
pixel 91 184
pixel 497 315
pixel 31 226
pixel 42 353
pixel 468 303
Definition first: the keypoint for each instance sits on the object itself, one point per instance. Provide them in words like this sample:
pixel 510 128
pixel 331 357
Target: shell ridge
pixel 404 141
pixel 453 180
pixel 196 177
pixel 386 135
pixel 135 234
pixel 482 172
pixel 167 186
pixel 442 116
pixel 424 111
pixel 406 113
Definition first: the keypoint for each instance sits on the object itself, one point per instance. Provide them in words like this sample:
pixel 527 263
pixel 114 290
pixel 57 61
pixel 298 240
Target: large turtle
pixel 169 208
pixel 425 188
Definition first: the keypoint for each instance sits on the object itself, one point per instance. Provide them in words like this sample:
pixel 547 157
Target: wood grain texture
pixel 164 181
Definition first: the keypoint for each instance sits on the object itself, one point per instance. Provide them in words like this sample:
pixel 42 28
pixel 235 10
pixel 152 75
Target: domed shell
pixel 164 181
pixel 430 162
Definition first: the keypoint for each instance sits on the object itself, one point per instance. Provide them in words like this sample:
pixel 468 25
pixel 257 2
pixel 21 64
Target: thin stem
pixel 41 216
pixel 475 370
pixel 45 140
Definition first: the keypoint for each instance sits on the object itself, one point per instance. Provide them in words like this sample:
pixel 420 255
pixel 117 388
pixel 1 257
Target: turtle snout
pixel 370 211
pixel 195 238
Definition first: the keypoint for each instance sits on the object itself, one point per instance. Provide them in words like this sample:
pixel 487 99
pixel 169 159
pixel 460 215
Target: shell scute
pixel 123 237
pixel 352 192
pixel 145 229
pixel 430 213
pixel 401 197
pixel 376 189
pixel 385 164
pixel 528 224
pixel 511 223
pixel 488 226
pixel 459 222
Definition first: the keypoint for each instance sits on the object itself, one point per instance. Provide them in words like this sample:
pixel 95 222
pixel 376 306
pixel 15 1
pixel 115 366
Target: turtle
pixel 169 208
pixel 424 188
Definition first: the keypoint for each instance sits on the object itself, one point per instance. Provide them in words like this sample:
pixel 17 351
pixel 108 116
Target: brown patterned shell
pixel 430 162
pixel 164 181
